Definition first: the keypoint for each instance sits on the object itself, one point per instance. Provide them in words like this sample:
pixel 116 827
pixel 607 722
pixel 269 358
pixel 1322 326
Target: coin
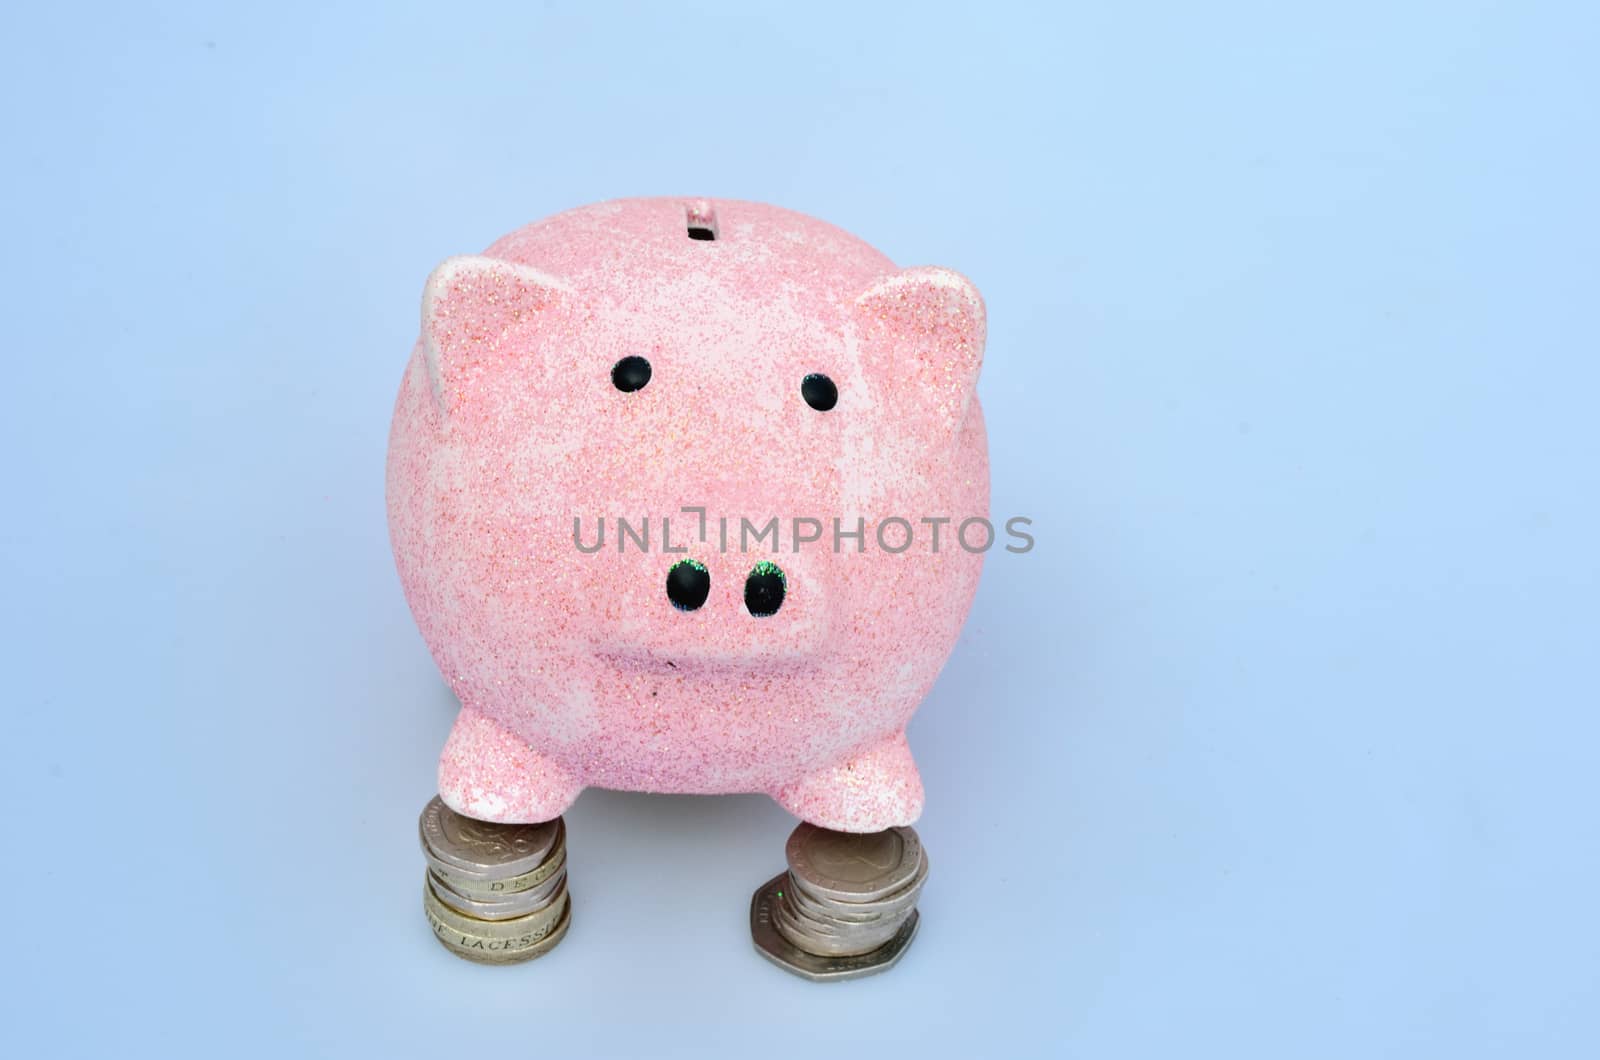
pixel 772 944
pixel 832 939
pixel 481 846
pixel 531 923
pixel 806 903
pixel 467 951
pixel 846 897
pixel 798 923
pixel 853 867
pixel 889 904
pixel 478 892
pixel 499 907
pixel 851 946
pixel 490 939
pixel 783 919
pixel 479 885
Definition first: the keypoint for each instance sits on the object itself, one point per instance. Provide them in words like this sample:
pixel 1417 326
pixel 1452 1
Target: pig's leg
pixel 491 774
pixel 876 788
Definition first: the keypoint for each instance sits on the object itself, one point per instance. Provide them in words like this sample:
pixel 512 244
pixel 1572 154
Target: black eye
pixel 819 392
pixel 630 374
pixel 763 590
pixel 688 584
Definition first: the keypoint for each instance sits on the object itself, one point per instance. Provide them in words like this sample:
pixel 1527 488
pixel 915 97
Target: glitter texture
pixel 766 567
pixel 575 669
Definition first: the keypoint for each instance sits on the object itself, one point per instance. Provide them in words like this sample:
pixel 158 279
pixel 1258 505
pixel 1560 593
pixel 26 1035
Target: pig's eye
pixel 819 392
pixel 630 374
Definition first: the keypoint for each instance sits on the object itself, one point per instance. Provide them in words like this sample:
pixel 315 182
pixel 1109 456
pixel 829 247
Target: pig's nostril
pixel 688 584
pixel 763 590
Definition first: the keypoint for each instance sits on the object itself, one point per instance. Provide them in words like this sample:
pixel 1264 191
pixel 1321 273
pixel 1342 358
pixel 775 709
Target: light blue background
pixel 1281 743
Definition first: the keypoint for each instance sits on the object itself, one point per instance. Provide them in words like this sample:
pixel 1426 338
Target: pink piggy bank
pixel 688 496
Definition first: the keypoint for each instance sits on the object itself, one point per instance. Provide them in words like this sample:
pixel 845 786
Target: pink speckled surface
pixel 575 669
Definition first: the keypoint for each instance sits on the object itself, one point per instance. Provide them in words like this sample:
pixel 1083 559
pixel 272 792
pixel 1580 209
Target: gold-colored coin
pixel 538 949
pixel 497 941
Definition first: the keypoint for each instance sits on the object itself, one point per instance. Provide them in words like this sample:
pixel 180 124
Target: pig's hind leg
pixel 490 774
pixel 876 788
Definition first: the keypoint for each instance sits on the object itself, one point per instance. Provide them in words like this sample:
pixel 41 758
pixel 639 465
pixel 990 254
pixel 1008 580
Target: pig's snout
pixel 715 612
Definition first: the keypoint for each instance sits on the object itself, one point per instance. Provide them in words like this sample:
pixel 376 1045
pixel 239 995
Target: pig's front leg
pixel 876 788
pixel 490 774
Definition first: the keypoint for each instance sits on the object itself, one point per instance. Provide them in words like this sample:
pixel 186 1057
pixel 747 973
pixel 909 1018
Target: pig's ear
pixel 921 333
pixel 480 314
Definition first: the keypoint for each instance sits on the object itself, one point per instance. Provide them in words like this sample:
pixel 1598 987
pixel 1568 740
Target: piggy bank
pixel 686 496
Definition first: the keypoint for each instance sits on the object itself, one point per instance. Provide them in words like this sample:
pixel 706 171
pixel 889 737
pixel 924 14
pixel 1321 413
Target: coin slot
pixel 700 218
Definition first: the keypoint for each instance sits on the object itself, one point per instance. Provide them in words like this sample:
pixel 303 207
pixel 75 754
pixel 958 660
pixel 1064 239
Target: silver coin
pixel 805 903
pixel 797 920
pixel 822 924
pixel 481 846
pixel 806 936
pixel 853 867
pixel 772 945
pixel 888 905
pixel 478 881
pixel 829 929
pixel 853 945
pixel 478 892
pixel 490 883
pixel 500 907
pixel 832 940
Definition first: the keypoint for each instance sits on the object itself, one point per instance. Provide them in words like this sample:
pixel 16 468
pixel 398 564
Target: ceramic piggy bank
pixel 684 496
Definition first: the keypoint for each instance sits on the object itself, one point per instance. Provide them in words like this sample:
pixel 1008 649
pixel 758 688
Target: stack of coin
pixel 495 893
pixel 849 894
